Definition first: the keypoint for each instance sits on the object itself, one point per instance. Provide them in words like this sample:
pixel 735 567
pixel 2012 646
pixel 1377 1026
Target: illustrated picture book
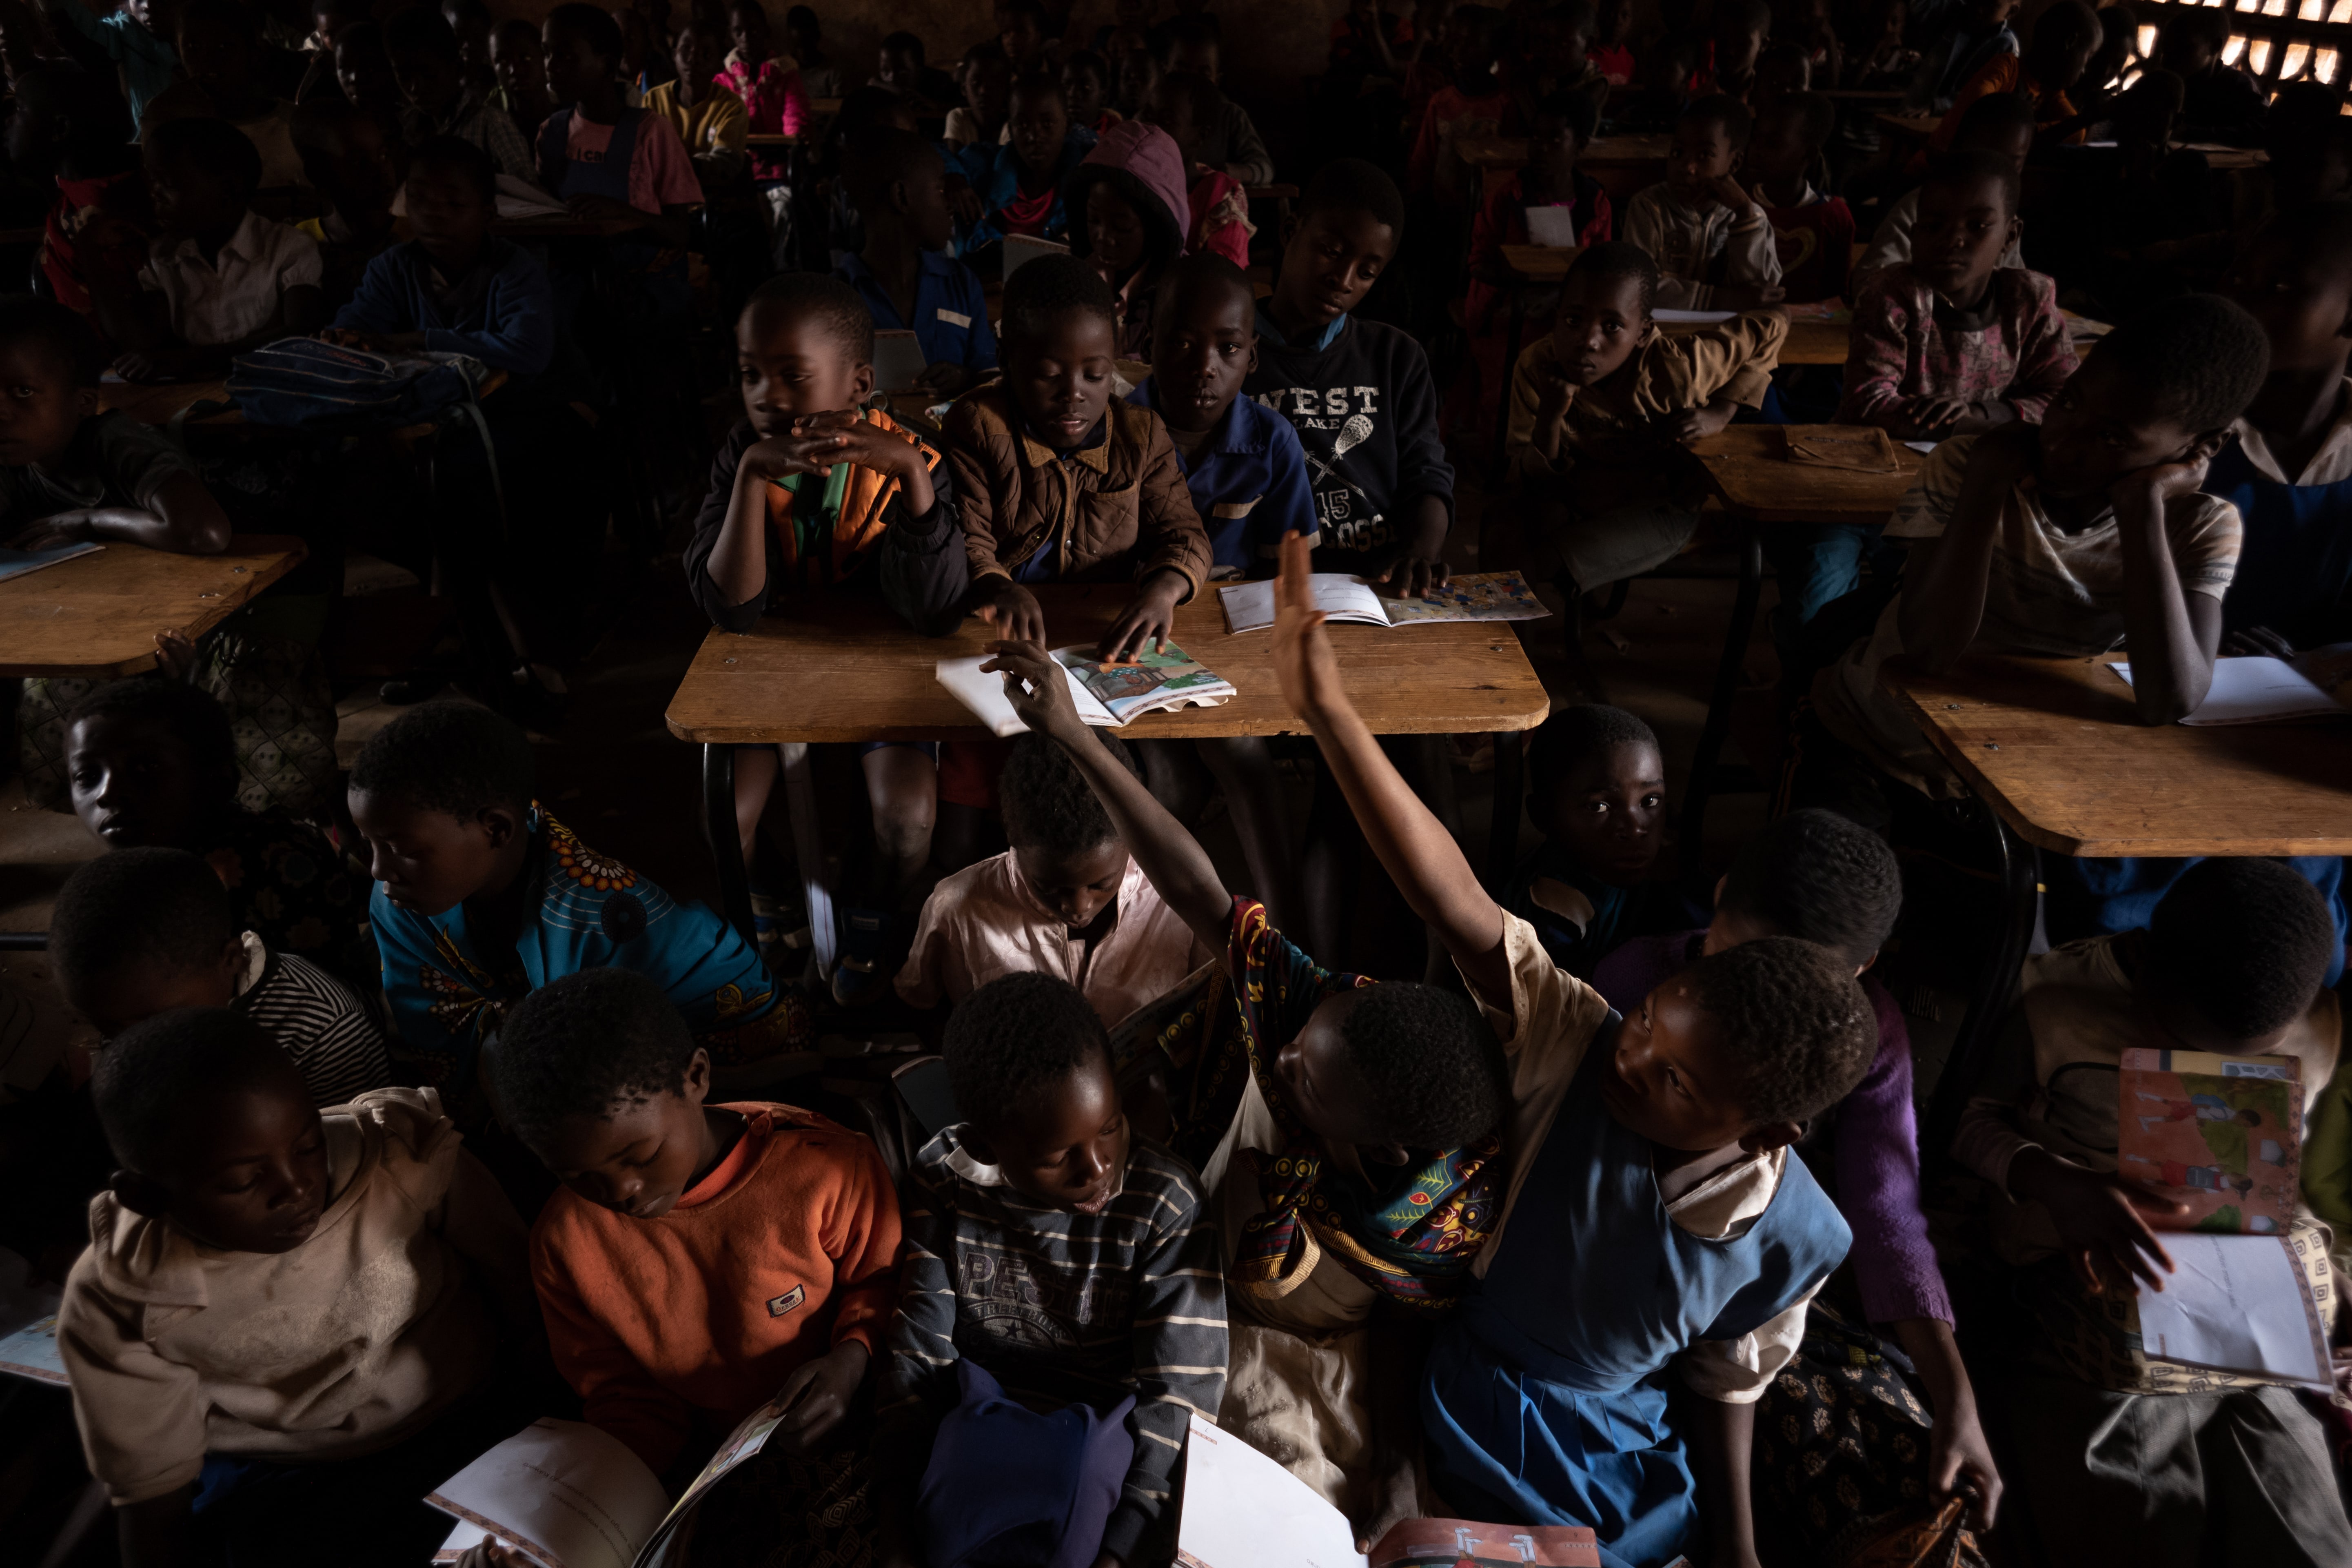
pixel 2223 1134
pixel 1107 696
pixel 1479 597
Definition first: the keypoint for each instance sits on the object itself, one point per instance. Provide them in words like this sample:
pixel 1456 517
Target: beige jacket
pixel 1698 249
pixel 351 1341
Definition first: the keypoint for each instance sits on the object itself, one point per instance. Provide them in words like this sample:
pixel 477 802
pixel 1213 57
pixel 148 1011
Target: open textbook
pixel 1243 1509
pixel 570 1496
pixel 28 1323
pixel 2315 684
pixel 1479 597
pixel 1108 695
pixel 17 563
pixel 2239 1303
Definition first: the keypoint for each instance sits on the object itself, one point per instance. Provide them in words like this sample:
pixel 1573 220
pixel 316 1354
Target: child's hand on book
pixel 1303 660
pixel 1013 610
pixel 1036 688
pixel 2102 1218
pixel 816 1396
pixel 2257 640
pixel 1148 619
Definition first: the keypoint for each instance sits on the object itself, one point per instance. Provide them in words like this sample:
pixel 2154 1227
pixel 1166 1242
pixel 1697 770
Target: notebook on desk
pixel 1021 250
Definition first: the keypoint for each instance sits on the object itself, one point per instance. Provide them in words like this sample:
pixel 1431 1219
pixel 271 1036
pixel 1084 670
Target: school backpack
pixel 303 384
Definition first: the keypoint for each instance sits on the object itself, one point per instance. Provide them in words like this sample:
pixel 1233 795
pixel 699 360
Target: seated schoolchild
pixel 363 70
pixel 902 71
pixel 1612 26
pixel 2065 35
pixel 1139 73
pixel 2107 1436
pixel 985 79
pixel 2025 550
pixel 1229 138
pixel 454 289
pixel 1666 1233
pixel 1065 899
pixel 221 53
pixel 1711 239
pixel 520 65
pixel 1813 232
pixel 142 931
pixel 1058 482
pixel 1473 103
pixel 1014 186
pixel 897 184
pixel 774 98
pixel 290 1324
pixel 709 120
pixel 220 278
pixel 1128 218
pixel 1563 127
pixel 1086 82
pixel 1729 49
pixel 1216 205
pixel 1952 56
pixel 441 101
pixel 599 156
pixel 2140 219
pixel 139 44
pixel 1588 403
pixel 811 495
pixel 1353 1137
pixel 803 34
pixel 472 22
pixel 1598 794
pixel 2219 101
pixel 481 897
pixel 1044 1192
pixel 153 762
pixel 1814 875
pixel 67 123
pixel 2001 124
pixel 699 1260
pixel 354 165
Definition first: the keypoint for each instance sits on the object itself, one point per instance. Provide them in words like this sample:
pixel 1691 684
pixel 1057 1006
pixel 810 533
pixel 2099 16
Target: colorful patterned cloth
pixel 1413 1236
pixel 449 996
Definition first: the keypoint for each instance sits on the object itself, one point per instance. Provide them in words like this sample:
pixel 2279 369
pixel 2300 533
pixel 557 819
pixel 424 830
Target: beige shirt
pixel 984 923
pixel 222 300
pixel 1890 245
pixel 389 1313
pixel 1689 241
pixel 1552 1020
pixel 2050 593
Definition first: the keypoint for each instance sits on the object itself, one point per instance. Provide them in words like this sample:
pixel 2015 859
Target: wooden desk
pixel 847 670
pixel 96 615
pixel 2056 746
pixel 563 227
pixel 1623 164
pixel 1912 127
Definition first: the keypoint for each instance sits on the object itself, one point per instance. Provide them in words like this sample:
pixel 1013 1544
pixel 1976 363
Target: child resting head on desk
pixel 811 493
pixel 220 279
pixel 141 931
pixel 1046 1182
pixel 2062 540
pixel 1602 402
pixel 1059 481
pixel 1713 244
pixel 287 1320
pixel 699 1260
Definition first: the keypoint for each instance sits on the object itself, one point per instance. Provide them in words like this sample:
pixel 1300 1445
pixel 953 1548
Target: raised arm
pixel 1420 856
pixel 1173 860
pixel 1944 584
pixel 2171 633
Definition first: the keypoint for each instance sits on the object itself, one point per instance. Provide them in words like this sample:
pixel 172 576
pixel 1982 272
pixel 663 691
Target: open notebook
pixel 2316 684
pixel 1479 597
pixel 1107 695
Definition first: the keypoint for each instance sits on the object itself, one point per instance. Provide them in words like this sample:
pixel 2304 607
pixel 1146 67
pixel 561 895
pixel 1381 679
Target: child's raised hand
pixel 2102 1219
pixel 816 1396
pixel 1148 619
pixel 1013 610
pixel 1036 687
pixel 1303 660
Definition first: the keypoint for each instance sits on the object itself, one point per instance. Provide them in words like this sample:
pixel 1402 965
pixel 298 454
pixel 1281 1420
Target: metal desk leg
pixel 1519 292
pixel 808 848
pixel 1727 687
pixel 1503 833
pixel 2020 867
pixel 725 844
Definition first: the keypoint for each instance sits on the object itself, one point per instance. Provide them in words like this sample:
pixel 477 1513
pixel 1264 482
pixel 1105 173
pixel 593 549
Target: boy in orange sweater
pixel 699 1261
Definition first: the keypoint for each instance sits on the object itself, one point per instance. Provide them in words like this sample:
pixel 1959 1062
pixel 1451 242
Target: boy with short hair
pixel 2001 124
pixel 1064 899
pixel 441 101
pixel 986 80
pixel 1042 1195
pixel 805 36
pixel 1813 232
pixel 1058 482
pixel 897 184
pixel 901 70
pixel 699 1260
pixel 482 897
pixel 2231 962
pixel 2062 540
pixel 521 71
pixel 708 119
pixel 1358 393
pixel 596 154
pixel 1475 103
pixel 1712 242
pixel 1230 141
pixel 142 931
pixel 220 279
pixel 1014 186
pixel 1588 403
pixel 287 1326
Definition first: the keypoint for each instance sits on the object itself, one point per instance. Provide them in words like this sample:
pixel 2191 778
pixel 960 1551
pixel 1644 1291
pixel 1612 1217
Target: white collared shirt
pixel 2332 464
pixel 237 292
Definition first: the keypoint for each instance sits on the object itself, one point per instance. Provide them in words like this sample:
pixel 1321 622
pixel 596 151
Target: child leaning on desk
pixel 2063 540
pixel 810 494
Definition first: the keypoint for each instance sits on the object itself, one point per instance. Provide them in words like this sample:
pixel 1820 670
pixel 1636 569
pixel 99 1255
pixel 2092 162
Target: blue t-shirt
pixel 2294 557
pixel 951 322
pixel 1248 482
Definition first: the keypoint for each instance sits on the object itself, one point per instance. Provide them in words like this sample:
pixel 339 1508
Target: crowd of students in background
pixel 1599 1201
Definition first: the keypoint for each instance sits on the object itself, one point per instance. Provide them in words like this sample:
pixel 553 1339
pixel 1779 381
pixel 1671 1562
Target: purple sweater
pixel 1876 1141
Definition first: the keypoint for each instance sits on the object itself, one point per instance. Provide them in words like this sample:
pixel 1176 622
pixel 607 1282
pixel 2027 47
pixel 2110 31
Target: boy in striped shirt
pixel 1053 1261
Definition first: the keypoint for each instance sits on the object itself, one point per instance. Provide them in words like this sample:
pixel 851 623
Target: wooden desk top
pixel 1810 342
pixel 1756 482
pixel 96 615
pixel 847 670
pixel 1511 151
pixel 1917 126
pixel 2056 748
pixel 562 227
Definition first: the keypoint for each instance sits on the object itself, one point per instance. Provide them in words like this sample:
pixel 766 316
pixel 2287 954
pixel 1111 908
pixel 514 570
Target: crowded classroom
pixel 1185 650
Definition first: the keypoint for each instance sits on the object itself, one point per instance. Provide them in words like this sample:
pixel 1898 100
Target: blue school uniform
pixel 503 313
pixel 1248 482
pixel 1545 1399
pixel 1619 914
pixel 995 172
pixel 450 995
pixel 951 322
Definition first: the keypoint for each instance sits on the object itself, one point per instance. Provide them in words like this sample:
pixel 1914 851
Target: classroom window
pixel 2323 66
pixel 2292 67
pixel 2258 57
pixel 2341 14
pixel 2233 48
pixel 2309 10
pixel 2273 7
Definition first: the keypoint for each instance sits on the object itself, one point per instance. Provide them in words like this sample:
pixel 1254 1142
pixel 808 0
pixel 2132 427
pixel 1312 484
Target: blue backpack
pixel 303 384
